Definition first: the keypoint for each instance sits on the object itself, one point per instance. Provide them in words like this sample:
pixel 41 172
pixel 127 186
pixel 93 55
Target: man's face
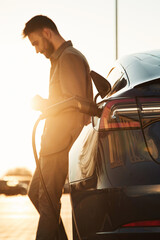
pixel 41 44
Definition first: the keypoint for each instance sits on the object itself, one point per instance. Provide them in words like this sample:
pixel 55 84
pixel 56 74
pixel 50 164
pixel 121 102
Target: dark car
pixel 115 178
pixel 15 181
pixel 12 187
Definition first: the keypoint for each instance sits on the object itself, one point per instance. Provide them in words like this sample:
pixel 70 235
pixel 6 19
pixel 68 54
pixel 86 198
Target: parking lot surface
pixel 19 219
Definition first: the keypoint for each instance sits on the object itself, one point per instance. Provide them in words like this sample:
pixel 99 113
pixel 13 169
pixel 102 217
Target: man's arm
pixel 73 76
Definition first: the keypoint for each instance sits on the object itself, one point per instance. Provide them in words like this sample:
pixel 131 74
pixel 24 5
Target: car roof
pixel 141 67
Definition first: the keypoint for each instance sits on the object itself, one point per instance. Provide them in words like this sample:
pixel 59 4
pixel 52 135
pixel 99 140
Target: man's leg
pixel 33 191
pixel 54 170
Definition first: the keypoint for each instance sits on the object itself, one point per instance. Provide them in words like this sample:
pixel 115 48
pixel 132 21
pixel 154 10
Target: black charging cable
pixel 82 105
pixel 60 227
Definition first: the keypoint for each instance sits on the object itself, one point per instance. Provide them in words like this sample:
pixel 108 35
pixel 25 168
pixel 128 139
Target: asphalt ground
pixel 19 218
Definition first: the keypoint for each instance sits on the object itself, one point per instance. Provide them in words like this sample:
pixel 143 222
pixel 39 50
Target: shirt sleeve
pixel 73 76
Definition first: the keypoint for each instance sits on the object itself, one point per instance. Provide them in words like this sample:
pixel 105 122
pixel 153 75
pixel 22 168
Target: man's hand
pixel 37 103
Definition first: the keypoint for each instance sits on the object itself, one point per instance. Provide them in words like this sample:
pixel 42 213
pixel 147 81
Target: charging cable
pixel 82 105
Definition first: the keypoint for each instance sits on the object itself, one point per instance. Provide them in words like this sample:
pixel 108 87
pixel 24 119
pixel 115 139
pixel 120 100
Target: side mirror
pixel 102 85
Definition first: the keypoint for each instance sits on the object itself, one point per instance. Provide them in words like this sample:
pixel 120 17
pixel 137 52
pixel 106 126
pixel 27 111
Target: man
pixel 69 76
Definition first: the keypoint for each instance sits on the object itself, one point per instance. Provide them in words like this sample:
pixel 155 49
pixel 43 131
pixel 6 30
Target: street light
pixel 116 28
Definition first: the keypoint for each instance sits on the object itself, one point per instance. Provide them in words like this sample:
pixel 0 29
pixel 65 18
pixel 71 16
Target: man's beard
pixel 49 48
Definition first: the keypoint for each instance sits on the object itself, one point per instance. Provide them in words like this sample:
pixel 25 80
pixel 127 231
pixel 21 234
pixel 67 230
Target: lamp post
pixel 116 28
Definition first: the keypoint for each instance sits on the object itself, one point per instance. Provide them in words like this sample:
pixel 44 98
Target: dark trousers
pixel 54 170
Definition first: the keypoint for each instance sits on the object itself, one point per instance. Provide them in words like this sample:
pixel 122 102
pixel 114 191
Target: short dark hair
pixel 38 23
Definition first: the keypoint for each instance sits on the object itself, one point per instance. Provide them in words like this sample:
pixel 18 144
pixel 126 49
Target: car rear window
pixel 117 79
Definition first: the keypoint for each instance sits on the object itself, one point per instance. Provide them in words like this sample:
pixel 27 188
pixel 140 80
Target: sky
pixel 90 25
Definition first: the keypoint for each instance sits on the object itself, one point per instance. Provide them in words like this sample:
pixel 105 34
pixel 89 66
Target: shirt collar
pixel 59 51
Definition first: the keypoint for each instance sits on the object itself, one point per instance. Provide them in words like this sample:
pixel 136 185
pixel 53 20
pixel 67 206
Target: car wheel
pixel 23 191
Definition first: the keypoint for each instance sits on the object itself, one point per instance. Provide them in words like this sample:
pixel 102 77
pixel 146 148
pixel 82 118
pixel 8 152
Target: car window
pixel 117 79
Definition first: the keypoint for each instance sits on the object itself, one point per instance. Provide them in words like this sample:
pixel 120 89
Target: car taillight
pixel 150 110
pixel 154 223
pixel 120 113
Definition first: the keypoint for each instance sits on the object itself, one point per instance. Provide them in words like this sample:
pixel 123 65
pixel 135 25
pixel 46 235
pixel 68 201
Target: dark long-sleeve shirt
pixel 69 76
